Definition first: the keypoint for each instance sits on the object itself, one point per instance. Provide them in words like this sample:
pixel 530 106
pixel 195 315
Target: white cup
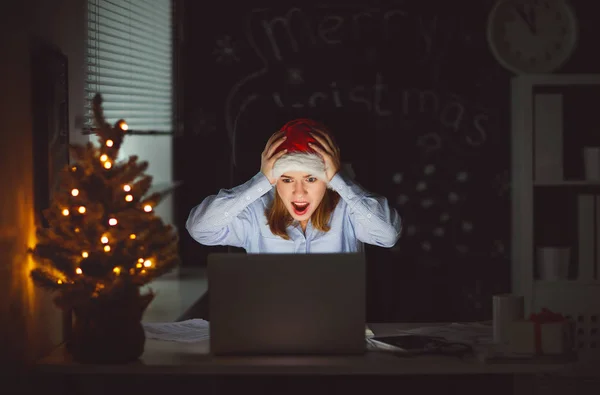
pixel 591 160
pixel 506 308
pixel 553 262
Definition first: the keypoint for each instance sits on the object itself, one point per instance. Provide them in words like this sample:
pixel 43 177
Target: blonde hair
pixel 279 218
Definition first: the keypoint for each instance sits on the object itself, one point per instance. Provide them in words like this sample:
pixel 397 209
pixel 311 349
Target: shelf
pixel 567 283
pixel 558 79
pixel 567 183
pixel 554 195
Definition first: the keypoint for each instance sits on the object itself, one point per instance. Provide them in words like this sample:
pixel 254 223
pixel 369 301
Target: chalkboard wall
pixel 419 108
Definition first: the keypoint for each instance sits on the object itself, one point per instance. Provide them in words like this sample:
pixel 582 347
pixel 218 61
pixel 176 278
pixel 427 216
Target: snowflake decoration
pixel 474 296
pixel 434 196
pixel 498 249
pixel 430 142
pixel 453 197
pixel 204 123
pixel 295 76
pixel 226 51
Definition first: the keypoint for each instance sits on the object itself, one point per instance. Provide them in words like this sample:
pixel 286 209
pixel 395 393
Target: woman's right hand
pixel 268 159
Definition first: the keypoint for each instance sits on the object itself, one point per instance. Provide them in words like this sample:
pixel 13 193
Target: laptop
pixel 266 304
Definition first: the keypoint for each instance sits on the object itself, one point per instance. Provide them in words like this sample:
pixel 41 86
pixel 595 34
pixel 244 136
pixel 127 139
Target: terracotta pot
pixel 109 332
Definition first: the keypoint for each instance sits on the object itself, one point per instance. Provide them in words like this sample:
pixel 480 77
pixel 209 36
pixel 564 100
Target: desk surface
pixel 161 357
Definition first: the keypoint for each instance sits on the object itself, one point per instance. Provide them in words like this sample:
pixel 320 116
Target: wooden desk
pixel 180 361
pixel 161 357
pixel 170 359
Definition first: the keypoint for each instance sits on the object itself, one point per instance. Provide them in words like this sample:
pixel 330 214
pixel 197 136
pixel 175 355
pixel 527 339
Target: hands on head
pixel 328 150
pixel 269 157
pixel 325 147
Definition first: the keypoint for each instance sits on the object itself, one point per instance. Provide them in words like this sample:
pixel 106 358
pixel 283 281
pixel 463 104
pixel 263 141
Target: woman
pixel 299 202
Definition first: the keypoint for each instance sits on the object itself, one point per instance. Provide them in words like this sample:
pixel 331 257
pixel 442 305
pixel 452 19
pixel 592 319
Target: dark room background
pixel 420 109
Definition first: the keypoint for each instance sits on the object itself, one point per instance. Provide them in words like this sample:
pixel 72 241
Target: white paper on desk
pixel 469 333
pixel 188 331
pixel 376 345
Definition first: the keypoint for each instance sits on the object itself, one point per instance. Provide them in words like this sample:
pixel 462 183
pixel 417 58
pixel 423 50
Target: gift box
pixel 545 333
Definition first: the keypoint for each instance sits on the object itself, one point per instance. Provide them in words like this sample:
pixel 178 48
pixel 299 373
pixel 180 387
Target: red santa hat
pixel 300 156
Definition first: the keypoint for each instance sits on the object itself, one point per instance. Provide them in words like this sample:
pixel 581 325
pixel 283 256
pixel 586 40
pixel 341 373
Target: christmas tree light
pixel 103 236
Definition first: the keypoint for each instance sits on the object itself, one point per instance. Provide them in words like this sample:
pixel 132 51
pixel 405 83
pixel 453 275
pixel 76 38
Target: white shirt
pixel 236 217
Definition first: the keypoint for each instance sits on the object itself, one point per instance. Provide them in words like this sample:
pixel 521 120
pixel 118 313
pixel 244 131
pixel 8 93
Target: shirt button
pixel 350 196
pixel 368 215
pixel 226 214
pixel 247 197
pixel 259 189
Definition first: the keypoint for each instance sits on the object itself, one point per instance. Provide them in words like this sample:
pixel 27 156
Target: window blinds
pixel 129 61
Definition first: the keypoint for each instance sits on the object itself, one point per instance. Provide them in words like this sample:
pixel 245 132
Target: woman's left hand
pixel 328 151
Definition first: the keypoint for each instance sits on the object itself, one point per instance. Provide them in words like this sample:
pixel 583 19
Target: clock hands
pixel 528 16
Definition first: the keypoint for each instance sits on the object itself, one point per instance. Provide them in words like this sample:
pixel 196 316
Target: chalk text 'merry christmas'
pixel 383 100
pixel 297 27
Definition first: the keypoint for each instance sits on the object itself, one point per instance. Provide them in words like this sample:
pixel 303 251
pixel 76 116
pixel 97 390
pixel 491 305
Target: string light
pixel 138 265
pixel 78 271
pixel 103 158
pixel 74 168
pixel 106 248
pixel 129 198
pixel 147 208
pixel 107 165
pixel 112 221
pixel 65 212
pixel 117 270
pixel 104 239
pixel 132 236
pixel 141 260
pixel 109 143
pixel 59 281
pixel 75 192
pixel 147 263
pixel 127 188
pixel 123 125
pixel 85 254
pixel 81 210
pixel 77 230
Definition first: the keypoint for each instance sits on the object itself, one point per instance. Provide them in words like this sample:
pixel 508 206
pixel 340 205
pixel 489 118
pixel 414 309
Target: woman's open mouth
pixel 300 208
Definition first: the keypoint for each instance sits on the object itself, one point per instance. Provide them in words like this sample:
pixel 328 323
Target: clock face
pixel 532 36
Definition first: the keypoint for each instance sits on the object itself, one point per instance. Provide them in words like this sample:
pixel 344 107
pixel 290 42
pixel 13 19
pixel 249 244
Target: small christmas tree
pixel 103 238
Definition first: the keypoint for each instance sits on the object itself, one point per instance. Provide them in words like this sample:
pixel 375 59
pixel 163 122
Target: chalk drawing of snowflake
pixel 225 51
pixel 473 296
pixel 429 142
pixel 204 123
pixel 295 76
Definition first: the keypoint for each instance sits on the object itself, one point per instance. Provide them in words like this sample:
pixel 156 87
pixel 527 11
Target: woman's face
pixel 301 193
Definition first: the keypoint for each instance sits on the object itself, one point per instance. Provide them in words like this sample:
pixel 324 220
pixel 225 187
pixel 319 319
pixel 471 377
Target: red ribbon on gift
pixel 544 317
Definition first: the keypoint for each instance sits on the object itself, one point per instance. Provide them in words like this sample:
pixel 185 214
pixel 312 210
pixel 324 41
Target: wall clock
pixel 532 36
